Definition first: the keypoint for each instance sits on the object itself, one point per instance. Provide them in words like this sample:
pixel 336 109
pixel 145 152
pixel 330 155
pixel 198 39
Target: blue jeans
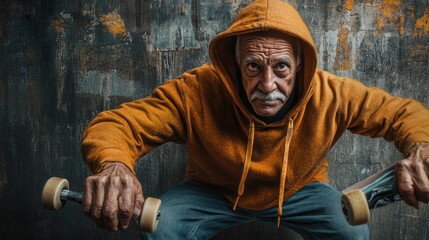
pixel 193 210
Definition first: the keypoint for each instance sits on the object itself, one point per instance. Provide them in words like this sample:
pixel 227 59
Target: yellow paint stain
pixel 113 22
pixel 349 5
pixel 422 24
pixel 368 1
pixel 58 25
pixel 343 56
pixel 390 14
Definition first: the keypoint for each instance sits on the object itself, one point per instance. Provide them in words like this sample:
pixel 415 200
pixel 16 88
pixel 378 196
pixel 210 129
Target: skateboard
pixel 375 191
pixel 56 193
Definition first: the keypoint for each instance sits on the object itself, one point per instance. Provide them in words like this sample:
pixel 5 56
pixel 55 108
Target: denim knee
pixel 193 211
pixel 315 212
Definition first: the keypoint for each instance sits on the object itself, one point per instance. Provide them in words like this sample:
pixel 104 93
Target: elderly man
pixel 257 124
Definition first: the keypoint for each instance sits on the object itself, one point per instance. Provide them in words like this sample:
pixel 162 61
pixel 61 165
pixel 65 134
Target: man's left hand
pixel 412 176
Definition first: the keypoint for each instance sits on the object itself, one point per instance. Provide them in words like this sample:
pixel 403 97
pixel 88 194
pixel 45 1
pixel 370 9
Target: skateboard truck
pixel 373 192
pixel 56 193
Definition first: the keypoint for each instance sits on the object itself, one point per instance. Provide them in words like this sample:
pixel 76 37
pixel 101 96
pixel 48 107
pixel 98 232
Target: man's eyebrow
pixel 248 59
pixel 282 59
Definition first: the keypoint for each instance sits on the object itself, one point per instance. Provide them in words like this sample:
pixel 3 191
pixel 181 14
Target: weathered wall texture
pixel 64 61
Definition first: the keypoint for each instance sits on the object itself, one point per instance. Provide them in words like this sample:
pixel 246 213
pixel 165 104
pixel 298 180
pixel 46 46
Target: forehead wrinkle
pixel 266 50
pixel 269 58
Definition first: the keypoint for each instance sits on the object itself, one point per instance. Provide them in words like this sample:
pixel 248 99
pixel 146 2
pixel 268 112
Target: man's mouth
pixel 268 103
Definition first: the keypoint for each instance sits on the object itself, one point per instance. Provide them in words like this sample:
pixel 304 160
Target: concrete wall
pixel 64 61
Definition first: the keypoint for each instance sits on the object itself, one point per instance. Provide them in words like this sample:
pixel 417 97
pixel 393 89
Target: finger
pixel 421 183
pixel 110 207
pixel 87 196
pixel 126 205
pixel 97 202
pixel 405 186
pixel 138 204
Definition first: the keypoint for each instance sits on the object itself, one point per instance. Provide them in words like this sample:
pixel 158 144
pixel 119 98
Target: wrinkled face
pixel 268 68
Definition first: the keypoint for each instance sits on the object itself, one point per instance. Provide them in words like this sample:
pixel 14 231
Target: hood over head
pixel 263 15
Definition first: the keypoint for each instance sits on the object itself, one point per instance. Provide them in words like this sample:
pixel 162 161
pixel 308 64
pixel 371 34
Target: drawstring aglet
pixel 236 203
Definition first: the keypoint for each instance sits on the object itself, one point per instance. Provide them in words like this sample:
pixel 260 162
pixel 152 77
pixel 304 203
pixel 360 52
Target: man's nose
pixel 267 83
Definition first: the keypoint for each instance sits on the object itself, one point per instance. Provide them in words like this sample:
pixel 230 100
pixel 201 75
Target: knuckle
pixel 127 179
pixel 424 193
pixel 417 165
pixel 136 213
pixel 115 180
pixel 96 211
pixel 126 207
pixel 424 190
pixel 102 180
pixel 402 165
pixel 139 200
pixel 406 190
pixel 91 178
pixel 109 213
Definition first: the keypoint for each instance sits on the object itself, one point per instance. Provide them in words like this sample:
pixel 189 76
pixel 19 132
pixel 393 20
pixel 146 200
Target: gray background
pixel 60 65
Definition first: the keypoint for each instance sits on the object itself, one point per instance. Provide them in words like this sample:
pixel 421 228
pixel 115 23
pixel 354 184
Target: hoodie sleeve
pixel 374 112
pixel 135 128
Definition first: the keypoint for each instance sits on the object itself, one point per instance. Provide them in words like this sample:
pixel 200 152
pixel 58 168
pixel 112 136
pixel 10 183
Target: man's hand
pixel 112 197
pixel 412 176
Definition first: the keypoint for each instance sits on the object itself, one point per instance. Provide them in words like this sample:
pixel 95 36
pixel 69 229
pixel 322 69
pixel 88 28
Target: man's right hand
pixel 113 197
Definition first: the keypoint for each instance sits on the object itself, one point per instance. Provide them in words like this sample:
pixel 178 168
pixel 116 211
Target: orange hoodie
pixel 254 164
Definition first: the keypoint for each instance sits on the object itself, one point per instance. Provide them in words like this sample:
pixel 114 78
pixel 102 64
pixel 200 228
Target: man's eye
pixel 281 66
pixel 253 67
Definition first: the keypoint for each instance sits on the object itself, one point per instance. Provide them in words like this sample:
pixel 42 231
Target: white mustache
pixel 274 95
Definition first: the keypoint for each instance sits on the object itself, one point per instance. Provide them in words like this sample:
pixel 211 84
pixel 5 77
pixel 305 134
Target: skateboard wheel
pixel 355 207
pixel 51 193
pixel 150 215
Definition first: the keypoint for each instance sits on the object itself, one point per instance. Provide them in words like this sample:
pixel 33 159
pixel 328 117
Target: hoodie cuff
pixel 111 155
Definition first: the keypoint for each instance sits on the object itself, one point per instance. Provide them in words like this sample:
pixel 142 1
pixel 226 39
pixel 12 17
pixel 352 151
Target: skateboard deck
pixel 375 191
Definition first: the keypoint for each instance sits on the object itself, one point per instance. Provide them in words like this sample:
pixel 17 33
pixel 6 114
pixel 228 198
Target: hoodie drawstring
pixel 284 170
pixel 247 161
